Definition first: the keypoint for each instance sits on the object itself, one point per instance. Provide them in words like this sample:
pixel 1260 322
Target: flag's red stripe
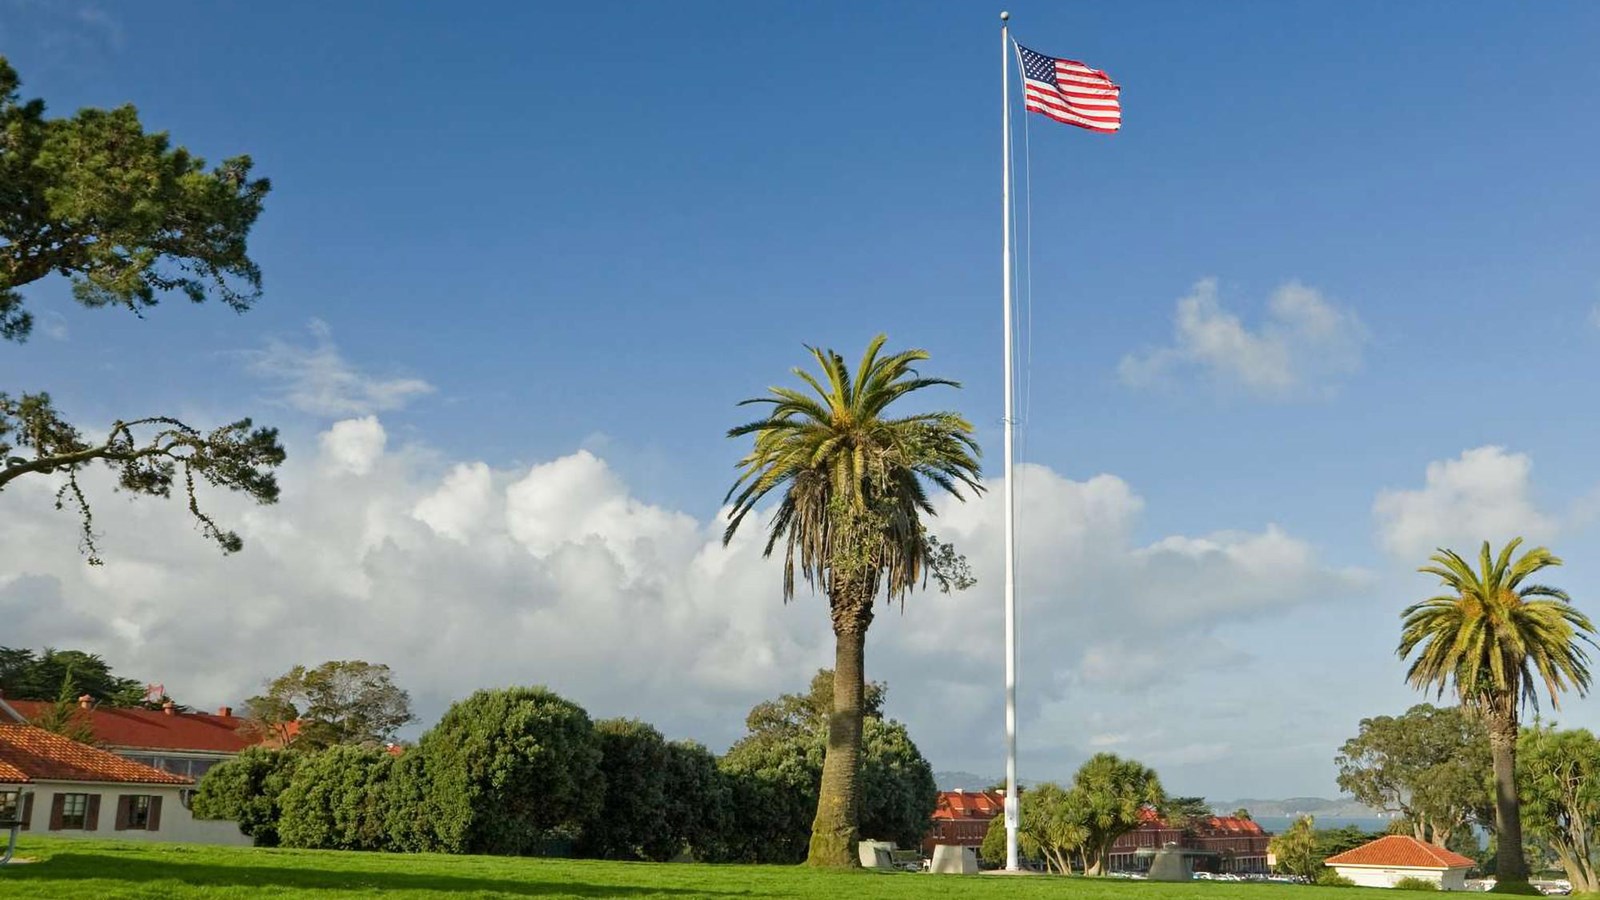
pixel 1071 121
pixel 1070 111
pixel 1075 90
pixel 1099 113
pixel 1099 120
pixel 1112 118
pixel 1080 78
pixel 1079 66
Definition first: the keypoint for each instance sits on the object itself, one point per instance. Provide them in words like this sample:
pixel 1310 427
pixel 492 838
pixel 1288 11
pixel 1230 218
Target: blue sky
pixel 513 232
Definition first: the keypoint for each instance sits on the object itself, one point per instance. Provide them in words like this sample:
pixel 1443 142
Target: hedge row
pixel 525 772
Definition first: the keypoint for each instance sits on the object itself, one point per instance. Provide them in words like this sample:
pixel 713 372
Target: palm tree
pixel 854 488
pixel 1496 639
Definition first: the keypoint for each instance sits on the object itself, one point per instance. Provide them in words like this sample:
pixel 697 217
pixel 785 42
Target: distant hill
pixel 1291 807
pixel 961 781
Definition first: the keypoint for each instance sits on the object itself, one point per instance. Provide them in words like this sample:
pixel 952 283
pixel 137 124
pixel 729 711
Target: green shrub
pixel 506 768
pixel 632 823
pixel 336 801
pixel 1416 884
pixel 898 793
pixel 699 807
pixel 1330 878
pixel 406 824
pixel 246 789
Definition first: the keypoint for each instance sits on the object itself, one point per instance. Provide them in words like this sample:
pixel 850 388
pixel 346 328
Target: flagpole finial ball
pixel 1004 15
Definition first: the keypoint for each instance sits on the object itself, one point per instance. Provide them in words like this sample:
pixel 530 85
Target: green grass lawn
pixel 101 869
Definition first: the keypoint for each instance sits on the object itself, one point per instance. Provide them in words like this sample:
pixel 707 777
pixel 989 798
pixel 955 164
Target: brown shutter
pixel 124 805
pixel 56 803
pixel 154 822
pixel 91 816
pixel 27 811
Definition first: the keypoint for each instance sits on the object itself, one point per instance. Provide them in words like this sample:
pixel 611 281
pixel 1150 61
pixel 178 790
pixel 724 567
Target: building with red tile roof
pixel 962 818
pixel 1230 844
pixel 1388 859
pixel 184 743
pixel 50 783
pixel 29 754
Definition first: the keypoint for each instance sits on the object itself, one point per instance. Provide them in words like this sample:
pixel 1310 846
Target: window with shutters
pixel 74 811
pixel 139 812
pixel 10 806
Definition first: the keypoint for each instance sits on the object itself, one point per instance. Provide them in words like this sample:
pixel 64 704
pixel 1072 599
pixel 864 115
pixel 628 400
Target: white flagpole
pixel 1012 810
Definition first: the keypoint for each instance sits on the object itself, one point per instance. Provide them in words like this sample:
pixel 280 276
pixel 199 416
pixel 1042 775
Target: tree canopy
pixel 346 701
pixel 1051 828
pixel 26 675
pixel 1296 849
pixel 1112 793
pixel 127 216
pixel 1430 765
pixel 808 713
pixel 1558 778
pixel 774 775
pixel 129 219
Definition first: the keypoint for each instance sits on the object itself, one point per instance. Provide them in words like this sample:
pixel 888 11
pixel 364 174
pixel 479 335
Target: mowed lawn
pixel 96 869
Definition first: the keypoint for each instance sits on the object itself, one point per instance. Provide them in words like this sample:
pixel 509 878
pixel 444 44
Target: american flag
pixel 1070 92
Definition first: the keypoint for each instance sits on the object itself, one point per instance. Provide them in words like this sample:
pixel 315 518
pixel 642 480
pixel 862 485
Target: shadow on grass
pixel 64 868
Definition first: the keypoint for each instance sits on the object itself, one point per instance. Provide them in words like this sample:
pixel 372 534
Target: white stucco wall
pixel 1386 876
pixel 178 825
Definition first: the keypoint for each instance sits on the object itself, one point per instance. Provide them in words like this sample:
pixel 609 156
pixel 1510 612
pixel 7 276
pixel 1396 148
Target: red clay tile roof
pixel 152 729
pixel 1400 851
pixel 39 755
pixel 969 805
pixel 1233 825
pixel 1213 826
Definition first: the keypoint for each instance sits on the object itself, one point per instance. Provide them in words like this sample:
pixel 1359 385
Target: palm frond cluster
pixel 855 482
pixel 1495 636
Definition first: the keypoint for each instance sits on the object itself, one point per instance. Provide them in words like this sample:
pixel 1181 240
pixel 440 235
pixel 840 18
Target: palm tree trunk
pixel 1510 864
pixel 834 832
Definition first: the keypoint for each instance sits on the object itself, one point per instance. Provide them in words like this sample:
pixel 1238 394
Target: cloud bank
pixel 462 575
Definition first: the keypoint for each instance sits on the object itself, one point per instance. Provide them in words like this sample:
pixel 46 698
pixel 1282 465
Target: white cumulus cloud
pixel 354 445
pixel 462 575
pixel 1482 495
pixel 1304 343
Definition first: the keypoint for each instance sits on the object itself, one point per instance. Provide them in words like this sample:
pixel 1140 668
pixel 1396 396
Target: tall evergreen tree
pixel 129 219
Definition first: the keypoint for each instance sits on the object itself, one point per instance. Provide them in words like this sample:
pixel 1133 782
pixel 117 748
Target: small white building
pixel 57 786
pixel 1385 861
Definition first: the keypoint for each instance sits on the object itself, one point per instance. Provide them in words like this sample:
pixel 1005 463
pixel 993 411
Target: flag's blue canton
pixel 1038 66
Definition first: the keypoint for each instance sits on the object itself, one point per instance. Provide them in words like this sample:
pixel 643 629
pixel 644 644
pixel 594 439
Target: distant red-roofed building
pixel 962 818
pixel 1383 862
pixel 55 785
pixel 1228 844
pixel 182 743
